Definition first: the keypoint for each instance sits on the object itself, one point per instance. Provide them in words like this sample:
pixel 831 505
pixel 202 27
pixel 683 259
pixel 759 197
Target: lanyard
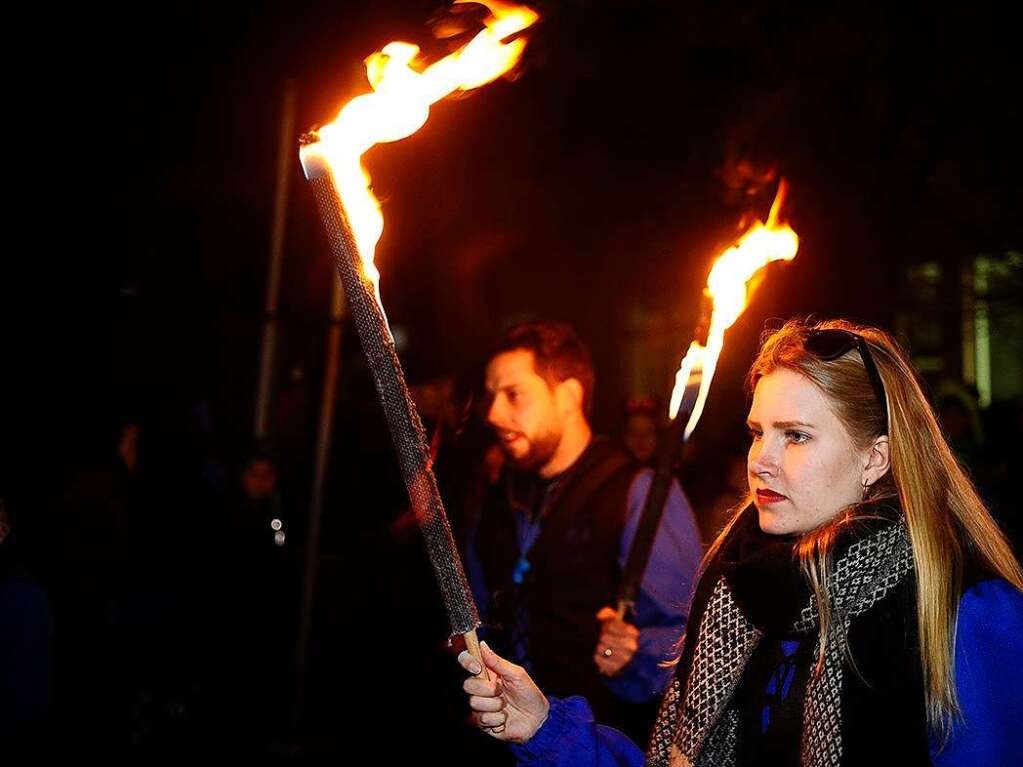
pixel 528 531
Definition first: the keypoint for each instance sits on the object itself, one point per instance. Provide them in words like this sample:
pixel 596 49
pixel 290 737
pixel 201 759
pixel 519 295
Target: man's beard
pixel 542 448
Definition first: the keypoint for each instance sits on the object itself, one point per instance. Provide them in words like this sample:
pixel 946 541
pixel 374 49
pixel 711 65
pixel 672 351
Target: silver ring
pixel 608 652
pixel 496 728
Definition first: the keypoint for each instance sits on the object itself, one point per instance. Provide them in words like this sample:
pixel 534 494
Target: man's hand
pixel 618 642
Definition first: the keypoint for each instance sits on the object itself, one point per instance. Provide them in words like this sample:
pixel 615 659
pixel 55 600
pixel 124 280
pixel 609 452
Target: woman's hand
pixel 509 705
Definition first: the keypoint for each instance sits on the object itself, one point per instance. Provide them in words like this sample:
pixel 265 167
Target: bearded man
pixel 546 555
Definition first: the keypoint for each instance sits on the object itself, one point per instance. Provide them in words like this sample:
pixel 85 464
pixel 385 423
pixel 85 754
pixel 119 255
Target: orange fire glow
pixel 399 105
pixel 730 285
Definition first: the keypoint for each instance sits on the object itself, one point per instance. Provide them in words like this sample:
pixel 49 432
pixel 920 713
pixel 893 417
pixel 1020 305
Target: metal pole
pixel 273 284
pixel 323 439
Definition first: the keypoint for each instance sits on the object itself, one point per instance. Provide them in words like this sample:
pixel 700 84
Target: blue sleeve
pixel 570 738
pixel 989 679
pixel 662 604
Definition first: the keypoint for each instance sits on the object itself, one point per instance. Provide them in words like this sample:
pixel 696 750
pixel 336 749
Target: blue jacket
pixel 662 602
pixel 989 682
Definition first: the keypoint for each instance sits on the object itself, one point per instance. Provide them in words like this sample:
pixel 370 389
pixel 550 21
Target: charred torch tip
pixel 314 165
pixel 309 137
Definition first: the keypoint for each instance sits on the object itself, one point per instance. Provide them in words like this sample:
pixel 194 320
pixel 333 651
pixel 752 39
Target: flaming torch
pixel 399 104
pixel 734 277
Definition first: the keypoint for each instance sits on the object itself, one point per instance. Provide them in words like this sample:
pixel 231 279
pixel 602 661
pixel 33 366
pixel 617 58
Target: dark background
pixel 595 188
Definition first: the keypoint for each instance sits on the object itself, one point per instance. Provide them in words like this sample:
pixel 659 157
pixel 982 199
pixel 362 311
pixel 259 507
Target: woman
pixel 864 609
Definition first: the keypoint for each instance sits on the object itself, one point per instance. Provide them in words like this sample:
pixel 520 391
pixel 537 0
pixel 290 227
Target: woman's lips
pixel 769 496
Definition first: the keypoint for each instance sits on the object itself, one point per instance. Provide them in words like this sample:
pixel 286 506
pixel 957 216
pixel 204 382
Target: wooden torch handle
pixel 623 609
pixel 472 644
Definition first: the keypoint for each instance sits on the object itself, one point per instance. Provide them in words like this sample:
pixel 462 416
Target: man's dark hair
pixel 558 354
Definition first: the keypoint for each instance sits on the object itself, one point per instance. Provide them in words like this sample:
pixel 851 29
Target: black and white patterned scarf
pixel 696 727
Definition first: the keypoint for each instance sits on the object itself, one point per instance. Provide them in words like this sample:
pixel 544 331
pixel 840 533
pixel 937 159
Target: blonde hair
pixel 947 521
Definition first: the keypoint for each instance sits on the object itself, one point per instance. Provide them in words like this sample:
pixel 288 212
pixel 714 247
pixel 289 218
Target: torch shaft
pixel 404 424
pixel 650 517
pixel 664 473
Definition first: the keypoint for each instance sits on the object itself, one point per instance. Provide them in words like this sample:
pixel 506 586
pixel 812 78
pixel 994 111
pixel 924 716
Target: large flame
pixel 730 286
pixel 399 106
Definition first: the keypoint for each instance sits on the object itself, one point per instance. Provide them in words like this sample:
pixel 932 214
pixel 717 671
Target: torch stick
pixel 730 284
pixel 664 471
pixel 404 424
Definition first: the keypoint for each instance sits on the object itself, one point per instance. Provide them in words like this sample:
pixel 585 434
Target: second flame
pixel 729 287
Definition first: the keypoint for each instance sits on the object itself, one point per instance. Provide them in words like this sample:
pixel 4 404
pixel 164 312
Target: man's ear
pixel 572 391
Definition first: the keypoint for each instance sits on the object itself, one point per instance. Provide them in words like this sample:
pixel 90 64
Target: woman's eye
pixel 797 437
pixel 754 434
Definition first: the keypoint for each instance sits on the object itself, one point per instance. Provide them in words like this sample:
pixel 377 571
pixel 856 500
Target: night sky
pixel 596 187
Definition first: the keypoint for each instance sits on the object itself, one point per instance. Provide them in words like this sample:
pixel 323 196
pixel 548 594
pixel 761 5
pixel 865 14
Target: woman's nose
pixel 763 460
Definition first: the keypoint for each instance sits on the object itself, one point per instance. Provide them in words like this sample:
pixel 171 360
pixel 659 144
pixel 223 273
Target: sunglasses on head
pixel 831 343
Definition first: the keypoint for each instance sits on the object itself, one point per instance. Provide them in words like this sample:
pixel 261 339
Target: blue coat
pixel 989 682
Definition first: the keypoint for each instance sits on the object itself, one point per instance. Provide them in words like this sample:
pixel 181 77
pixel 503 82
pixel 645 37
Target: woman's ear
pixel 878 461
